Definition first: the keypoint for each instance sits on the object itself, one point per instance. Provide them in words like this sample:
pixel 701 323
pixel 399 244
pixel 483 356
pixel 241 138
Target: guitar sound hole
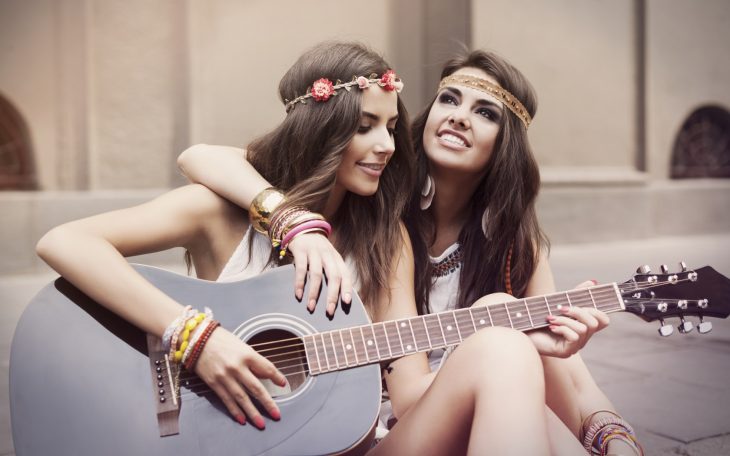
pixel 286 351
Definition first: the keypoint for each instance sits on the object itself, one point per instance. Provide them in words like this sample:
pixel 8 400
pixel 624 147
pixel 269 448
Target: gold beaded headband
pixel 483 85
pixel 322 89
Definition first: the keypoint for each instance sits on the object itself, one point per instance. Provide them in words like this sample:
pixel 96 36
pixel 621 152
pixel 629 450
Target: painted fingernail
pixel 347 298
pixel 312 304
pixel 553 327
pixel 241 419
pixel 595 282
pixel 299 293
pixel 275 414
pixel 565 310
pixel 259 423
pixel 282 382
pixel 551 317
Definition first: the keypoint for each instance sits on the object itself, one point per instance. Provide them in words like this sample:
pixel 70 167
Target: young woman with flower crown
pixel 474 232
pixel 351 163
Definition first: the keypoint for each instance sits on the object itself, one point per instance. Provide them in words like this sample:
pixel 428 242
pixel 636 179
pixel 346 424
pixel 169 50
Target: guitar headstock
pixel 656 296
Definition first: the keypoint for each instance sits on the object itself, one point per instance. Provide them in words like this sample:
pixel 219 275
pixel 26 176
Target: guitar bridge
pixel 166 387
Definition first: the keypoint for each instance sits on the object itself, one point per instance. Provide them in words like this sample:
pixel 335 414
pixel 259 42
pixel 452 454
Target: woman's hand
pixel 232 369
pixel 314 252
pixel 570 331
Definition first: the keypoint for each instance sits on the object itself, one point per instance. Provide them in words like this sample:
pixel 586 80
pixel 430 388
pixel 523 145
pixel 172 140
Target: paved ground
pixel 674 390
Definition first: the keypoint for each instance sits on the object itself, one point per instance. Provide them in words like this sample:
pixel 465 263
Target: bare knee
pixel 505 350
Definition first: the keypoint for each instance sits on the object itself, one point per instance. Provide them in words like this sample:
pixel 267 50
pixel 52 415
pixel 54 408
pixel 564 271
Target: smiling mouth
pixel 373 166
pixel 451 138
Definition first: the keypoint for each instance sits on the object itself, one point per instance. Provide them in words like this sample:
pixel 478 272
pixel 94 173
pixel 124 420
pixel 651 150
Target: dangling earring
pixel 485 222
pixel 427 192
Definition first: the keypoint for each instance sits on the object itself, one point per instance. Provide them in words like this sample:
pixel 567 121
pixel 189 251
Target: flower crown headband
pixel 322 89
pixel 483 85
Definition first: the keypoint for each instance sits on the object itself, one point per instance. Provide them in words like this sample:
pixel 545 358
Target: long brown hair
pixel 508 191
pixel 302 154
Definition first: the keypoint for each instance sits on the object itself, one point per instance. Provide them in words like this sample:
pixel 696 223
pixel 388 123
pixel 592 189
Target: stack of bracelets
pixel 284 225
pixel 186 336
pixel 602 431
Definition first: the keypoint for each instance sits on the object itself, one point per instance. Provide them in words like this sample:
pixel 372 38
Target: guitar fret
pixel 547 304
pixel 490 316
pixel 373 343
pixel 309 340
pixel 425 328
pixel 432 321
pixel 334 349
pixel 481 320
pixel 364 345
pixel 354 347
pixel 393 338
pixel 524 302
pixel 568 297
pixel 344 349
pixel 592 300
pixel 465 323
pixel 407 338
pixel 400 339
pixel 451 340
pixel 413 335
pixel 508 315
pixel 471 315
pixel 324 349
pixel 441 327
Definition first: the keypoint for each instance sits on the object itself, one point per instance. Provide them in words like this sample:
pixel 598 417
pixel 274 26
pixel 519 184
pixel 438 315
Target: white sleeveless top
pixel 239 266
pixel 447 271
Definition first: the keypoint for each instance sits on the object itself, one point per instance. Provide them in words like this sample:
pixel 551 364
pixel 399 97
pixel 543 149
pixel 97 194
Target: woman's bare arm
pixel 226 171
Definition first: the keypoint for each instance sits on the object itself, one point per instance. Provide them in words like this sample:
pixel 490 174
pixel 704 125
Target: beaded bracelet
pixel 592 433
pixel 279 220
pixel 195 354
pixel 195 333
pixel 589 417
pixel 625 436
pixel 167 335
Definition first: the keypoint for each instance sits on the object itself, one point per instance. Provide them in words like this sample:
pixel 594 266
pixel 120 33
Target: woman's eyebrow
pixel 481 101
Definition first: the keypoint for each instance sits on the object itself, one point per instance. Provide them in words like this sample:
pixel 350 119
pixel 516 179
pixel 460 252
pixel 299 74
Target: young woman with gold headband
pixel 474 232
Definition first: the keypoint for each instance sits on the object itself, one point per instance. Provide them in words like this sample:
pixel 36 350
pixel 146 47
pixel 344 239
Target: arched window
pixel 702 147
pixel 17 170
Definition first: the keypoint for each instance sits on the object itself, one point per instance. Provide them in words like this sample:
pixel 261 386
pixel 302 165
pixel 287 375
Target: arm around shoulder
pixel 224 170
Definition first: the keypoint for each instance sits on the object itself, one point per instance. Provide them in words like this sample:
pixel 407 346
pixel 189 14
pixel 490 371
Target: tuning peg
pixel 683 266
pixel 665 330
pixel 664 268
pixel 704 327
pixel 685 326
pixel 643 269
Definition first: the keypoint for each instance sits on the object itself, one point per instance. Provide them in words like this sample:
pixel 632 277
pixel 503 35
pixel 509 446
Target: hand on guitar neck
pixel 568 331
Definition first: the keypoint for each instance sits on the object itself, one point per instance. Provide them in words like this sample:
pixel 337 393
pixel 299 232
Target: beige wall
pixel 579 55
pixel 240 50
pixel 28 68
pixel 688 65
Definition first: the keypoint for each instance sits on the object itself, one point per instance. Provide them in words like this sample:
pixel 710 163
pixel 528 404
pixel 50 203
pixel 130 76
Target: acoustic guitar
pixel 85 382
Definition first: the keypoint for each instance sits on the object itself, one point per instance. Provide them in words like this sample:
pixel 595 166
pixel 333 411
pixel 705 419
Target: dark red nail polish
pixel 259 423
pixel 241 419
pixel 275 414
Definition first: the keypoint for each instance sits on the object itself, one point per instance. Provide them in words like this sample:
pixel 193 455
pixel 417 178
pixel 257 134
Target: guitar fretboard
pixel 360 345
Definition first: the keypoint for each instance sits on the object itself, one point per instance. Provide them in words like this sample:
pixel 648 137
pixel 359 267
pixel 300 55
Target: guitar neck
pixel 368 344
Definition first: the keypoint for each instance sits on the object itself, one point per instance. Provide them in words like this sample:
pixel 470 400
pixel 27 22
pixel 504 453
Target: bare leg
pixel 488 398
pixel 562 440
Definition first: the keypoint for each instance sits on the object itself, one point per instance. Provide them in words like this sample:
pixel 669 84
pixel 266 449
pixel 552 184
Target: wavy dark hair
pixel 302 154
pixel 508 190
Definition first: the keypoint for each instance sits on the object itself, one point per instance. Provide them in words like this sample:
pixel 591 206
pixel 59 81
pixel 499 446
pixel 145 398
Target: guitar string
pixel 624 288
pixel 418 332
pixel 297 361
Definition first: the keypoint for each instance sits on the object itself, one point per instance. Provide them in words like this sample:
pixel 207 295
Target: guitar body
pixel 81 383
